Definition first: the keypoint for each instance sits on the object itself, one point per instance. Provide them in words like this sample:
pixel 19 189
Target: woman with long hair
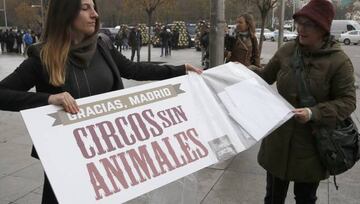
pixel 243 47
pixel 73 61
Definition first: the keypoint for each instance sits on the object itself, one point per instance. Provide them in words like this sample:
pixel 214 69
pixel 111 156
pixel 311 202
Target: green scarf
pixel 82 53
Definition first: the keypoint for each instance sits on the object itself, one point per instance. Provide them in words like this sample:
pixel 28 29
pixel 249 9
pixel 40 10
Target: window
pixel 353 33
pixel 350 27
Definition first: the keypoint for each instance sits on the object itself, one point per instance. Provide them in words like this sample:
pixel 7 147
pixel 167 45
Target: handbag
pixel 339 147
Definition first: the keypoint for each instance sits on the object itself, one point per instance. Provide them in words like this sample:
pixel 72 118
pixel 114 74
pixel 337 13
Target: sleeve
pixel 14 95
pixel 145 71
pixel 269 73
pixel 342 97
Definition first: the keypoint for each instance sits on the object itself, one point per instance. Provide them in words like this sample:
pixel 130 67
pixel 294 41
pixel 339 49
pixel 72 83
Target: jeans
pixel 276 190
pixel 164 46
pixel 137 50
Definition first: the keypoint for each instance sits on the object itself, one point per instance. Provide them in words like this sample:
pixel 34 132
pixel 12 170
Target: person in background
pixel 2 41
pixel 289 153
pixel 73 61
pixel 135 41
pixel 10 41
pixel 205 46
pixel 227 42
pixel 35 38
pixel 170 40
pixel 175 39
pixel 19 41
pixel 164 40
pixel 27 39
pixel 125 37
pixel 118 41
pixel 243 47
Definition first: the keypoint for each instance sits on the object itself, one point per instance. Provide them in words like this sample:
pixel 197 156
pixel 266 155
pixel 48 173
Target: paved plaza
pixel 239 180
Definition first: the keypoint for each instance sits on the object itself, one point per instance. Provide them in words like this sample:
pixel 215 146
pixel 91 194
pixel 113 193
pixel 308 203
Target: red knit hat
pixel 321 12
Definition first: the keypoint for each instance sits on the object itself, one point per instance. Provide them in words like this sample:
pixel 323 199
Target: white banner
pixel 126 143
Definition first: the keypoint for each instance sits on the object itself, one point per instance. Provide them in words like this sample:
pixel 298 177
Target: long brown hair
pixel 56 37
pixel 250 23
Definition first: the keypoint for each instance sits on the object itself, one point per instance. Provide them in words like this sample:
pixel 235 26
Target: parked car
pixel 350 37
pixel 110 32
pixel 287 35
pixel 267 34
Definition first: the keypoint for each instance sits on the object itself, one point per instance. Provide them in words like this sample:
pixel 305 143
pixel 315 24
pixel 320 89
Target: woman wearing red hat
pixel 289 153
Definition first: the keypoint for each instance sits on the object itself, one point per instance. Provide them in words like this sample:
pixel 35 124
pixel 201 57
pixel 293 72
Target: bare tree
pixel 234 8
pixel 354 10
pixel 27 17
pixel 264 7
pixel 149 6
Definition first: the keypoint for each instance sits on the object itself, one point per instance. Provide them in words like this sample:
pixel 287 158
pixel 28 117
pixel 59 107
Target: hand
pixel 302 115
pixel 191 68
pixel 65 100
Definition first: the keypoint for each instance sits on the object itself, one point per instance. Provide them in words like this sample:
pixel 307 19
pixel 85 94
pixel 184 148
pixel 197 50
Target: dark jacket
pixel 165 37
pixel 1 36
pixel 135 39
pixel 14 95
pixel 290 151
pixel 205 40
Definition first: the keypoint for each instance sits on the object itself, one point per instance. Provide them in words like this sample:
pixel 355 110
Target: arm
pixel 14 95
pixel 145 71
pixel 269 73
pixel 342 97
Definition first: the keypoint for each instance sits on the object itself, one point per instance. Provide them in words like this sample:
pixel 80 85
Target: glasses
pixel 307 25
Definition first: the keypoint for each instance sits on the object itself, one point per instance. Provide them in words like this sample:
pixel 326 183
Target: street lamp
pixel 4 10
pixel 41 6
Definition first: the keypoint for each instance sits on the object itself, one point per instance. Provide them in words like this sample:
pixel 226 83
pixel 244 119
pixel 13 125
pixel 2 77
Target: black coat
pixel 135 39
pixel 14 95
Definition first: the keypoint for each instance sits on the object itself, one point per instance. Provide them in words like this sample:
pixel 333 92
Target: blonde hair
pixel 250 23
pixel 54 56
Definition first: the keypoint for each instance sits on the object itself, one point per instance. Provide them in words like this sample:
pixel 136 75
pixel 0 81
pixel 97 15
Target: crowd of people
pixel 288 154
pixel 17 41
pixel 132 38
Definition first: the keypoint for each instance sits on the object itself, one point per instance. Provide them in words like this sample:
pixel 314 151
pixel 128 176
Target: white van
pixel 342 26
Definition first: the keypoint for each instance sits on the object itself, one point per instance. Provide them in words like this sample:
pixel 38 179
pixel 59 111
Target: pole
pixel 217 29
pixel 281 24
pixel 42 14
pixel 149 37
pixel 273 18
pixel 294 10
pixel 6 23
